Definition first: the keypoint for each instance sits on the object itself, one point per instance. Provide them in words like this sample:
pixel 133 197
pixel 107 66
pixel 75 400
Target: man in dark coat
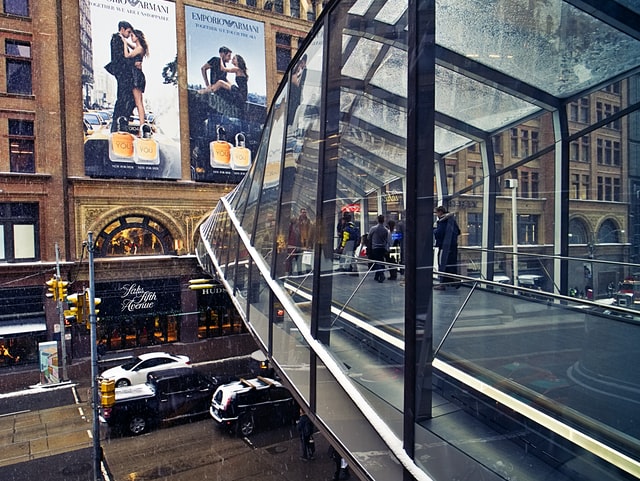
pixel 446 232
pixel 305 430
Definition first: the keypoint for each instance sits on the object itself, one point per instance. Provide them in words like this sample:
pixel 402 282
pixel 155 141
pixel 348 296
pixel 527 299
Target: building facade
pixel 60 182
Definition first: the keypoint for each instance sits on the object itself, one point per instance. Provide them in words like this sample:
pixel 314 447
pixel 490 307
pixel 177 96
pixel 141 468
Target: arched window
pixel 134 235
pixel 608 233
pixel 578 232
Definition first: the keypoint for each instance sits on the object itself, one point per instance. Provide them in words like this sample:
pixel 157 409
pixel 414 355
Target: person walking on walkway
pixel 349 239
pixel 379 240
pixel 446 232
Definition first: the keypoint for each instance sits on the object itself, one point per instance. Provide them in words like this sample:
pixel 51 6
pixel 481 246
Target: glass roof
pixel 552 45
pixel 498 63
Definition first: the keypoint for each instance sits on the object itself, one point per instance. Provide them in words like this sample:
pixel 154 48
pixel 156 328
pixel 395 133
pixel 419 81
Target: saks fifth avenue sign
pixel 136 298
pixel 133 298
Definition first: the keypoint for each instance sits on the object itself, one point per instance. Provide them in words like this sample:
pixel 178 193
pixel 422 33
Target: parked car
pixel 106 116
pixel 244 404
pixel 96 121
pixel 136 370
pixel 167 395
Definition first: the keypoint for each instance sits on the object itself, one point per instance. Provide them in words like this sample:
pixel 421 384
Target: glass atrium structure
pixel 521 117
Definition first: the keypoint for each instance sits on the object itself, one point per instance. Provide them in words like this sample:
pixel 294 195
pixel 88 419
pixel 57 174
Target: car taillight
pixel 188 363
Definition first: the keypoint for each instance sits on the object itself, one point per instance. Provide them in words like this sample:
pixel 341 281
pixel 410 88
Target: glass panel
pixel 550 45
pixel 24 241
pixel 254 187
pixel 446 141
pixel 556 357
pixel 259 305
pixel 237 197
pixel 291 352
pixel 361 308
pixel 21 127
pixel 18 49
pixel 21 158
pixel 602 223
pixel 221 240
pixel 392 11
pixel 242 278
pixel 3 254
pixel 18 77
pixel 300 179
pixel 270 197
pixel 361 58
pixel 17 7
pixel 135 241
pixel 234 240
pixel 346 420
pixel 476 103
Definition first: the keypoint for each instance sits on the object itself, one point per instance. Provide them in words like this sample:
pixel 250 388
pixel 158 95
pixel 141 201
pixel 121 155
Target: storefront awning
pixel 22 326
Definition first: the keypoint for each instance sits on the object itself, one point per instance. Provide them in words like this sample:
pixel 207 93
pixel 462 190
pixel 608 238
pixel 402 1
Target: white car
pixel 136 370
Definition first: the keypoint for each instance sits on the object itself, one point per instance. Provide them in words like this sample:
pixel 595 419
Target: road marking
pixel 75 394
pixel 14 413
pixel 90 433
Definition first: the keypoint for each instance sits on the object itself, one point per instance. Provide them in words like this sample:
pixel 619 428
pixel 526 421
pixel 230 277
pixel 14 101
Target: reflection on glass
pixel 290 351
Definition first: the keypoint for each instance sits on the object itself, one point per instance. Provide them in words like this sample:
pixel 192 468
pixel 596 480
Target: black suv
pixel 167 395
pixel 243 404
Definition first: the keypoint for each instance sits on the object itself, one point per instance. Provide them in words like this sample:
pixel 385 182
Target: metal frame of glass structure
pixel 508 372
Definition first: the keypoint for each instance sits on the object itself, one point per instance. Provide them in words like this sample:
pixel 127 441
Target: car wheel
pixel 122 383
pixel 137 425
pixel 246 425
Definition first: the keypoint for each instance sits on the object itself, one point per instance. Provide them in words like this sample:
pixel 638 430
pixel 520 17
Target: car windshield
pixel 131 364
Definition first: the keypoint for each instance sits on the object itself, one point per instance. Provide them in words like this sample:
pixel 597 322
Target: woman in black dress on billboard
pixel 136 53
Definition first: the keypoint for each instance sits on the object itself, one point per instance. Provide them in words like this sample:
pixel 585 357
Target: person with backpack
pixel 349 238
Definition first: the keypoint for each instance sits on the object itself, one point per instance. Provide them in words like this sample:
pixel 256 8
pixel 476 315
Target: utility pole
pixel 95 396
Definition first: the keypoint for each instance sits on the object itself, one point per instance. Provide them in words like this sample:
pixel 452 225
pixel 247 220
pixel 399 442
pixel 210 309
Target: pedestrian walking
pixel 379 238
pixel 393 256
pixel 349 240
pixel 342 467
pixel 305 430
pixel 446 232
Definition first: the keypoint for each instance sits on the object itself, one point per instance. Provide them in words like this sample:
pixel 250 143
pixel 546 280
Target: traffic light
pixel 199 284
pixel 76 306
pixel 107 393
pixel 52 288
pixel 62 290
pixel 96 302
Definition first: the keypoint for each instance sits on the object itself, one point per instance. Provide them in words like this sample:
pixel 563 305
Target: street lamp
pixel 513 185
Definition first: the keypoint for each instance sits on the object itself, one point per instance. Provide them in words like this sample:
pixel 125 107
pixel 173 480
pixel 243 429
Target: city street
pixel 45 434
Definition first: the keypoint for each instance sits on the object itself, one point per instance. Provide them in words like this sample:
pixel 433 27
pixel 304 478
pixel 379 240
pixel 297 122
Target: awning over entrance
pixel 22 326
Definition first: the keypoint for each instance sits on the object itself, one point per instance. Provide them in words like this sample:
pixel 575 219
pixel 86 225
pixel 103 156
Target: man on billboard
pixel 120 68
pixel 214 68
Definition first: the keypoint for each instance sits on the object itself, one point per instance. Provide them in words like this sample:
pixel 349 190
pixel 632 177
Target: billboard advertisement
pixel 131 117
pixel 227 92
